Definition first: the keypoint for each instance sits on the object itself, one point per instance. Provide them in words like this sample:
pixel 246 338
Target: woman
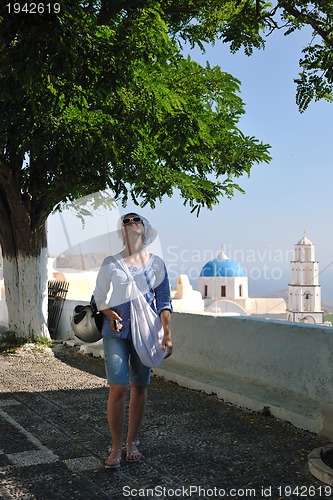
pixel 122 363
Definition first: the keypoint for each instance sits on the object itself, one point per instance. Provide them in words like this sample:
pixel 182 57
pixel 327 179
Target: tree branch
pixel 307 19
pixel 109 10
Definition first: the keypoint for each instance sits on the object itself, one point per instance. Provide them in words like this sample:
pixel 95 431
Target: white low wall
pixel 259 364
pixel 254 363
pixel 280 354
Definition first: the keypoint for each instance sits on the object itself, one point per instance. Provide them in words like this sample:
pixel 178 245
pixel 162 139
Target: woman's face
pixel 132 227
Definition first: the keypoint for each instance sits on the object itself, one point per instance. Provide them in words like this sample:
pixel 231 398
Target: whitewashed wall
pixel 284 355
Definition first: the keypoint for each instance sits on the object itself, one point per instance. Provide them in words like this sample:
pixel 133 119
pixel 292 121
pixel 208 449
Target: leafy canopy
pixel 100 95
pixel 247 24
pixel 88 104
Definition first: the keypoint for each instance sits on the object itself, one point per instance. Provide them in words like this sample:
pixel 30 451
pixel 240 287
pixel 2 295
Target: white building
pixel 304 292
pixel 223 285
pixel 184 298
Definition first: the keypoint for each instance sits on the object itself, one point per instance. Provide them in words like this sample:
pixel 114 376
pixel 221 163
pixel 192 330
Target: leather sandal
pixel 133 455
pixel 113 462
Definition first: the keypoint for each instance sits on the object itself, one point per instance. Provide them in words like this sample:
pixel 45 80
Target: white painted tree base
pixel 26 294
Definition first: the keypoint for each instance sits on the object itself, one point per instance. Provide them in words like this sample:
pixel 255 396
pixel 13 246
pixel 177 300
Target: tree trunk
pixel 23 244
pixel 26 294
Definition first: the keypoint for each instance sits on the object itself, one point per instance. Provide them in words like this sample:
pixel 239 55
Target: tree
pixel 97 94
pixel 315 81
pixel 247 24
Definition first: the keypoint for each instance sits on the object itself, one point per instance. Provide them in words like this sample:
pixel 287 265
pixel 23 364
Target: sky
pixel 289 197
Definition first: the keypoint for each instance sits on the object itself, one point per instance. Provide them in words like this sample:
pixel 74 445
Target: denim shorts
pixel 122 364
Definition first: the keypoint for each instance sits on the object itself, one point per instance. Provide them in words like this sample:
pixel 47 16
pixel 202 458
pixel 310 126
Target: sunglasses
pixel 126 221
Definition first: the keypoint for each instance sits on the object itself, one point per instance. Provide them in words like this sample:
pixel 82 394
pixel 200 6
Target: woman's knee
pixel 139 390
pixel 117 392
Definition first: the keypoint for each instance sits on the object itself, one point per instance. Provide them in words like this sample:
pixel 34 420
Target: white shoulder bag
pixel 146 325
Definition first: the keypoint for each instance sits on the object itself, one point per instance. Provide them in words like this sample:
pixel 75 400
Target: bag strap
pixel 124 266
pixel 138 292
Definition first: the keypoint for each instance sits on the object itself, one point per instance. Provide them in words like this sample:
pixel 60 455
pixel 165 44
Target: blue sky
pixel 291 195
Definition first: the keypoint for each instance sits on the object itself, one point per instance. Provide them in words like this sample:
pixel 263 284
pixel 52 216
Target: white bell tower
pixel 304 293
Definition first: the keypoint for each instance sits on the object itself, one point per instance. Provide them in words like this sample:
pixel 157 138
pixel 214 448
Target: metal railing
pixel 57 291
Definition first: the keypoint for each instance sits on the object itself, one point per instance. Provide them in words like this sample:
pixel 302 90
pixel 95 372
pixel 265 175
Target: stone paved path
pixel 54 437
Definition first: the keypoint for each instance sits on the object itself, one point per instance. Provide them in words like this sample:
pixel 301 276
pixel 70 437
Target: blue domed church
pixel 222 267
pixel 223 285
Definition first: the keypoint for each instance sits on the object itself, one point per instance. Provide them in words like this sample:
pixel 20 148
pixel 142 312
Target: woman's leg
pixel 140 379
pixel 116 363
pixel 116 413
pixel 137 409
pixel 116 419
